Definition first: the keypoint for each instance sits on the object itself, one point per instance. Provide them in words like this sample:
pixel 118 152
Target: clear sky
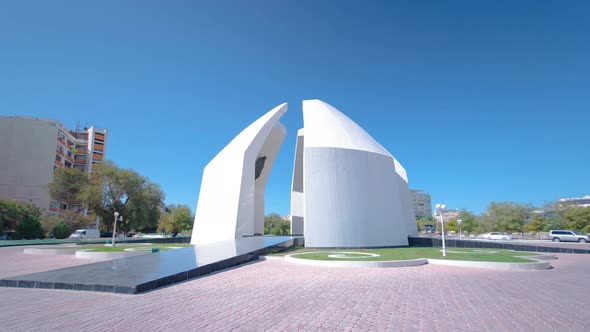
pixel 479 100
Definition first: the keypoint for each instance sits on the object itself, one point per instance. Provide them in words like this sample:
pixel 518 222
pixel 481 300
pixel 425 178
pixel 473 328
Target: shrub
pixel 61 231
pixel 30 228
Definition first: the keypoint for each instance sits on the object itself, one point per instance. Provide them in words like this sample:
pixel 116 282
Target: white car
pixel 496 236
pixel 153 236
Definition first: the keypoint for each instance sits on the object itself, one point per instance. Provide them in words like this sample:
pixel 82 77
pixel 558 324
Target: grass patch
pixel 392 254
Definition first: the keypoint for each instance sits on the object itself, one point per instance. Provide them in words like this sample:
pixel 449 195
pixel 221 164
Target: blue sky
pixel 479 100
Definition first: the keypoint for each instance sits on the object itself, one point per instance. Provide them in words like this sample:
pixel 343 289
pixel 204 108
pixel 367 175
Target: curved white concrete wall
pixel 297 196
pixel 355 194
pixel 231 200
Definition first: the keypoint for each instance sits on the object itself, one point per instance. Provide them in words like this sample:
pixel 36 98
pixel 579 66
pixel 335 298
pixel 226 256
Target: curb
pixel 541 263
pixel 37 251
pixel 405 263
pixel 108 255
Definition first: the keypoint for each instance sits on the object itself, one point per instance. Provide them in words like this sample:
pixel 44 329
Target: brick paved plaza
pixel 277 296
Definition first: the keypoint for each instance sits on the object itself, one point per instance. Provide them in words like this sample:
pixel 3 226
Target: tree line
pixel 83 198
pixel 514 218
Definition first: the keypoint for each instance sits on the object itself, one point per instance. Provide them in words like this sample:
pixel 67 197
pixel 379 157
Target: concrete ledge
pixel 313 262
pixel 538 265
pixel 38 251
pixel 108 255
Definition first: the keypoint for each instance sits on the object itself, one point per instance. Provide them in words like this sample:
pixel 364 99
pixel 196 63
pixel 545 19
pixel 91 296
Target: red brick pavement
pixel 278 296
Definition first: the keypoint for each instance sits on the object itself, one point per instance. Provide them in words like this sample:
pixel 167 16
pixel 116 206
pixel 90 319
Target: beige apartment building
pixel 33 148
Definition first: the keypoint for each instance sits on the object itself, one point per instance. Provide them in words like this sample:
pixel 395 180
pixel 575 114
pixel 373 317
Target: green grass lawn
pixel 392 254
pixel 119 248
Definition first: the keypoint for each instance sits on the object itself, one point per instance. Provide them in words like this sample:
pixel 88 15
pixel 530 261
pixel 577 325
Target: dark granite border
pixel 454 243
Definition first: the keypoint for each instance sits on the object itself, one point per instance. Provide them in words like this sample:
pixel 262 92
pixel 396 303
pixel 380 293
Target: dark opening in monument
pixel 259 166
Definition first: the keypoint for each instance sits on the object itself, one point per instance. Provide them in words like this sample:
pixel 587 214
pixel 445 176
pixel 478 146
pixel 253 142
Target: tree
pixel 425 220
pixel 469 221
pixel 67 185
pixel 12 213
pixel 112 189
pixel 577 218
pixel 276 225
pixel 507 216
pixel 176 219
pixel 536 225
pixel 61 231
pixel 71 219
pixel 452 226
pixel 30 228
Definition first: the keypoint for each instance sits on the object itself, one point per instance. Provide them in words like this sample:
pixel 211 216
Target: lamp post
pixel 459 221
pixel 440 210
pixel 115 226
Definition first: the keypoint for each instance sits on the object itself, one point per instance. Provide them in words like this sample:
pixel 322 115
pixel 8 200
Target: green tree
pixel 426 220
pixel 536 225
pixel 112 189
pixel 451 225
pixel 577 218
pixel 469 221
pixel 507 216
pixel 68 185
pixel 72 219
pixel 276 225
pixel 176 219
pixel 61 231
pixel 30 228
pixel 13 212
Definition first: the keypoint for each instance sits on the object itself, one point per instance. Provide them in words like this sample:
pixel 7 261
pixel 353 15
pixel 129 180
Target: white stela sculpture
pixel 347 191
pixel 231 200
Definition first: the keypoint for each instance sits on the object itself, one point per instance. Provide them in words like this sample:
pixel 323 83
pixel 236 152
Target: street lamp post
pixel 115 226
pixel 440 210
pixel 459 221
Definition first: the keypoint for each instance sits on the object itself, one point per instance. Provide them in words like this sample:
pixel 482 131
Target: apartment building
pixel 583 201
pixel 422 203
pixel 33 148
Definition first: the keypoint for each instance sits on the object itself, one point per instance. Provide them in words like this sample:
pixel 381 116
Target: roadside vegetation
pixel 518 219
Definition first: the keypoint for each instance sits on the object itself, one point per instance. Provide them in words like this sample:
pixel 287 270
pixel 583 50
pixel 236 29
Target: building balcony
pixel 59 153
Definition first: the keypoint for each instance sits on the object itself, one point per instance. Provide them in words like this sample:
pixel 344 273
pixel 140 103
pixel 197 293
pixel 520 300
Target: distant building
pixel 422 203
pixel 33 148
pixel 583 201
pixel 450 214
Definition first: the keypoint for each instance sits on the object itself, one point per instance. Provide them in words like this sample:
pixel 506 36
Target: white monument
pixel 231 200
pixel 348 191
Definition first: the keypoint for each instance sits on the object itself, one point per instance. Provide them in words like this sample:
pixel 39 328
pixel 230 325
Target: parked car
pixel 153 236
pixel 571 236
pixel 85 234
pixel 495 236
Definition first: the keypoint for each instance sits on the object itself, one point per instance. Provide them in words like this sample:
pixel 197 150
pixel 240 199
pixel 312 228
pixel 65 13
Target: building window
pixel 80 157
pixel 68 164
pixel 58 158
pixel 79 167
pixel 69 153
